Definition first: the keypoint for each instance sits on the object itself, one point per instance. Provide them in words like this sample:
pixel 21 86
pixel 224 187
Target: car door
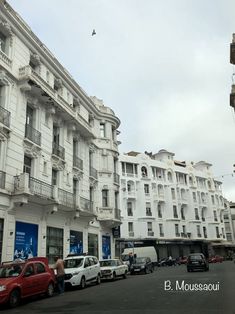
pixel 92 268
pixel 42 276
pixel 96 266
pixel 119 268
pixel 87 271
pixel 29 281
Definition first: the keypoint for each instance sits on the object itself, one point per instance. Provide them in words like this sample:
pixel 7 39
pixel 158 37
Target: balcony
pixel 161 234
pixel 2 180
pixel 32 134
pixel 58 151
pixel 131 234
pixel 5 58
pixel 183 235
pixel 66 199
pixel 5 117
pixel 177 234
pixel 109 216
pixel 77 162
pixel 86 205
pixel 148 213
pixel 116 178
pixel 150 233
pixel 205 235
pixel 40 188
pixel 197 217
pixel 93 173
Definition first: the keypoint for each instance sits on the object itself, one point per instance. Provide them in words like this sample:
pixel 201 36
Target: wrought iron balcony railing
pixel 150 233
pixel 2 180
pixel 66 198
pixel 93 172
pixel 32 134
pixel 77 162
pixel 5 116
pixel 40 188
pixel 116 178
pixel 86 204
pixel 58 150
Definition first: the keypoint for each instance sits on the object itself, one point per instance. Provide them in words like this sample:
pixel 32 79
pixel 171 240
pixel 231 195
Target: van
pixel 144 251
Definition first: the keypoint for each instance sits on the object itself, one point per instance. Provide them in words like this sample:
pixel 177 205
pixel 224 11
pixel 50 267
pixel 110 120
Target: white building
pixel 175 206
pixel 58 154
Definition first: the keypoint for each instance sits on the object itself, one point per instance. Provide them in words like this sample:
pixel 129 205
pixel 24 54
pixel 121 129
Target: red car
pixel 216 259
pixel 21 279
pixel 183 260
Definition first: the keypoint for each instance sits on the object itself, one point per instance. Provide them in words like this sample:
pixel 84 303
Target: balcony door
pixel 56 135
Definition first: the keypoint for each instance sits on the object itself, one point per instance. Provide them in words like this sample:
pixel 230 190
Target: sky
pixel 161 65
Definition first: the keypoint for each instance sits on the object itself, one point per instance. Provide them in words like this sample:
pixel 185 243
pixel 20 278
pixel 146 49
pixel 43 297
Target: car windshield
pixel 195 257
pixel 140 260
pixel 73 263
pixel 7 271
pixel 108 263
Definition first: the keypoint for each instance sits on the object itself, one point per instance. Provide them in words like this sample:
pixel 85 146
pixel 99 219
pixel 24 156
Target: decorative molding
pixel 4 80
pixel 31 149
pixel 92 148
pixel 25 87
pixel 32 100
pixel 57 164
pixel 6 28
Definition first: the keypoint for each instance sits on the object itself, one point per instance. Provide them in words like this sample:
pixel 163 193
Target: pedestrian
pixel 59 266
pixel 131 260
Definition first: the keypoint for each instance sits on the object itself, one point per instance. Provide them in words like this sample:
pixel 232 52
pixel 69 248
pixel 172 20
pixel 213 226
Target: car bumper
pixel 73 281
pixel 106 276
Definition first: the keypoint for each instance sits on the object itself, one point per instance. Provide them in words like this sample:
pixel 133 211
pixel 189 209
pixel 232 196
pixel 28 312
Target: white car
pixel 80 270
pixel 112 268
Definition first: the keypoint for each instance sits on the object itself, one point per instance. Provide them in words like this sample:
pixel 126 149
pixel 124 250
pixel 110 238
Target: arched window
pixel 169 176
pixel 144 171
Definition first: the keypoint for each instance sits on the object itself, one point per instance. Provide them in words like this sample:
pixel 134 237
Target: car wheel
pixel 98 280
pixel 114 276
pixel 125 275
pixel 83 283
pixel 14 298
pixel 50 290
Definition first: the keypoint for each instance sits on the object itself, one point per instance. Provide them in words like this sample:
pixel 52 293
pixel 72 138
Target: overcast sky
pixel 161 65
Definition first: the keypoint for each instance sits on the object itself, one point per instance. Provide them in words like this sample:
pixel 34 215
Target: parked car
pixel 167 262
pixel 142 264
pixel 197 261
pixel 215 259
pixel 80 270
pixel 112 268
pixel 24 278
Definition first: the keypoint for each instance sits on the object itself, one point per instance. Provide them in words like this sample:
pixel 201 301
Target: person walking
pixel 131 260
pixel 59 266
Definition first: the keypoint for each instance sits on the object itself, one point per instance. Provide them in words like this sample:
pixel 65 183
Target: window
pixel 173 193
pixel 150 226
pixel 204 232
pixel 130 227
pixel 159 210
pixel 213 199
pixel 199 231
pixel 169 176
pixel 196 213
pixel 144 172
pixel 55 243
pixel 177 230
pixel 3 41
pixel 215 215
pixel 148 209
pixel 48 77
pixel 129 209
pixel 182 213
pixel 175 214
pixel 161 230
pixel 45 167
pixel 29 271
pixel 194 197
pixel 27 165
pixel 102 130
pixel 54 177
pixel 75 190
pixel 105 198
pixel 146 189
pixel 40 268
pixel 217 232
pixel 56 135
pixel 184 229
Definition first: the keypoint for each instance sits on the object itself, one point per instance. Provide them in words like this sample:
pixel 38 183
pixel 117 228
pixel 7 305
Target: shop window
pixel 54 245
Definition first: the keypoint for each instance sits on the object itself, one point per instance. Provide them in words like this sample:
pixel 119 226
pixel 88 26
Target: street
pixel 145 294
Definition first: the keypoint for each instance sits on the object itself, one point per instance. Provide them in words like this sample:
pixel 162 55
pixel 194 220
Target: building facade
pixel 59 183
pixel 175 206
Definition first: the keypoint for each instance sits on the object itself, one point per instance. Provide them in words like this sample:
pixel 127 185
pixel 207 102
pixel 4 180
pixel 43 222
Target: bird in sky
pixel 93 33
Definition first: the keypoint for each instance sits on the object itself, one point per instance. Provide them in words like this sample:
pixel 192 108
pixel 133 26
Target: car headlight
pixel 142 266
pixel 3 288
pixel 76 273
